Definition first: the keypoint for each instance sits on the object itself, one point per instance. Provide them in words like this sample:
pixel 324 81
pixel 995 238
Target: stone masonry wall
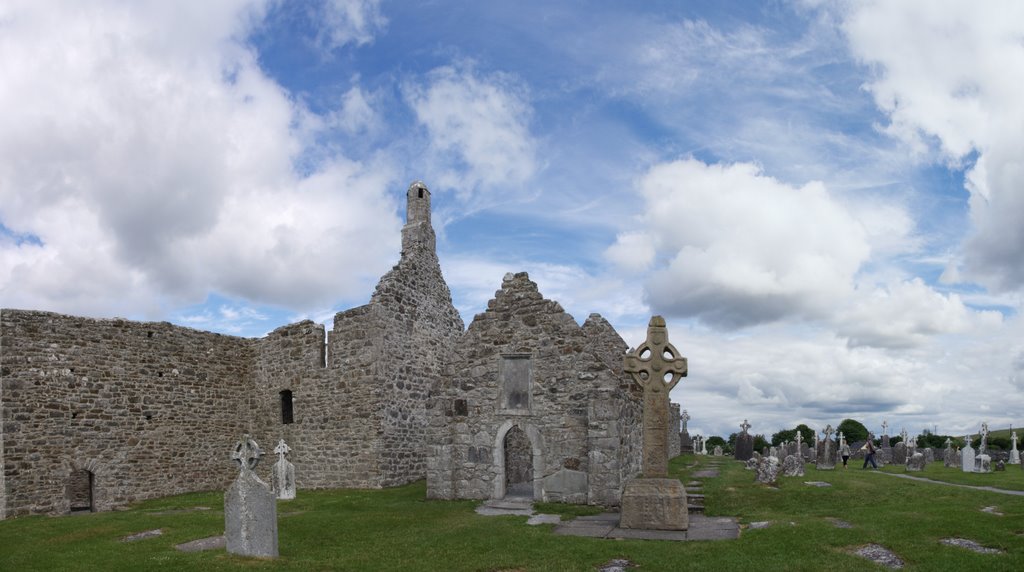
pixel 150 409
pixel 568 370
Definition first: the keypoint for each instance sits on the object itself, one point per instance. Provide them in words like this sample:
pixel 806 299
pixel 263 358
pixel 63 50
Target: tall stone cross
pixel 246 453
pixel 1013 440
pixel 841 438
pixel 683 419
pixel 904 436
pixel 799 438
pixel 657 367
pixel 828 431
pixel 984 438
pixel 744 426
pixel 885 427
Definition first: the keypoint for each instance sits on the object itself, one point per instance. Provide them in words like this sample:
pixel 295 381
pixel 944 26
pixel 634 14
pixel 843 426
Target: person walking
pixel 845 452
pixel 869 454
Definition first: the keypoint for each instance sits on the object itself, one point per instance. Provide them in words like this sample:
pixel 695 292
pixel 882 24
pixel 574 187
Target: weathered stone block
pixel 566 485
pixel 654 504
pixel 250 517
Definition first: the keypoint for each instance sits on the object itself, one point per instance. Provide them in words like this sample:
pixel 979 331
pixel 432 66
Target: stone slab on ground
pixel 504 507
pixel 880 555
pixel 544 519
pixel 211 543
pixel 817 483
pixel 992 510
pixel 705 473
pixel 143 535
pixel 759 524
pixel 617 565
pixel 605 526
pixel 970 545
pixel 838 523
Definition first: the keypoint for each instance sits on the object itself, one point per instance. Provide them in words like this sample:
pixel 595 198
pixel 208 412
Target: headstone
pixel 250 509
pixel 911 447
pixel 793 466
pixel 967 455
pixel 744 443
pixel 703 446
pixel 283 482
pixel 773 451
pixel 685 441
pixel 929 454
pixel 983 447
pixel 655 501
pixel 752 462
pixel 916 462
pixel 1000 465
pixel 1014 453
pixel 899 454
pixel 885 434
pixel 718 451
pixel 767 471
pixel 826 452
pixel 949 455
pixel 982 464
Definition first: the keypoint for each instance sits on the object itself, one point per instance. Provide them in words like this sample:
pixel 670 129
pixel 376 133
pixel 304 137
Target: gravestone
pixel 899 454
pixel 655 501
pixel 767 471
pixel 250 509
pixel 885 434
pixel 703 446
pixel 744 443
pixel 949 455
pixel 773 451
pixel 929 454
pixel 283 482
pixel 1014 453
pixel 718 451
pixel 826 452
pixel 982 461
pixel 685 441
pixel 916 462
pixel 793 466
pixel 1000 465
pixel 967 455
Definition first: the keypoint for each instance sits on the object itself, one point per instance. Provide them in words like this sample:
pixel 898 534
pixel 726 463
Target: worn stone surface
pixel 793 466
pixel 826 459
pixel 211 543
pixel 767 470
pixel 949 457
pixel 917 462
pixel 525 367
pixel 899 454
pixel 970 545
pixel 967 455
pixel 674 437
pixel 880 555
pixel 744 447
pixel 283 483
pixel 143 535
pixel 717 451
pixel 117 399
pixel 654 504
pixel 982 464
pixel 250 508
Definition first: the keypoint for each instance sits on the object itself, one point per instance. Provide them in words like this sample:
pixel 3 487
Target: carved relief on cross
pixel 828 431
pixel 282 449
pixel 683 418
pixel 246 453
pixel 885 427
pixel 744 426
pixel 657 367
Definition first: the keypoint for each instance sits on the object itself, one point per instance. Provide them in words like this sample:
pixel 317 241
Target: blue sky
pixel 823 198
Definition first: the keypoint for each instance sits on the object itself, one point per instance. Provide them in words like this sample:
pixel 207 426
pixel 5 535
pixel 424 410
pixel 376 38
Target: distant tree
pixel 714 441
pixel 806 433
pixel 732 440
pixel 760 442
pixel 789 435
pixel 929 439
pixel 853 430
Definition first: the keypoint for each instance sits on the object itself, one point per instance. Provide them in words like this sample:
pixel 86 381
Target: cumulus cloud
pixel 342 22
pixel 478 126
pixel 738 248
pixel 950 76
pixel 152 160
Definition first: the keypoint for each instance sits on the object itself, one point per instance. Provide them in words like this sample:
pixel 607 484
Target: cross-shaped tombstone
pixel 246 453
pixel 984 438
pixel 885 427
pixel 828 431
pixel 744 426
pixel 683 418
pixel 948 442
pixel 904 436
pixel 799 439
pixel 282 449
pixel 657 367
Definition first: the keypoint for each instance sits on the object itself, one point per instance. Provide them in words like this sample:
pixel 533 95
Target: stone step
pixel 695 509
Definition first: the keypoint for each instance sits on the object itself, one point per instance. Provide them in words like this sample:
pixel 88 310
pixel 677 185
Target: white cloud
pixel 153 159
pixel 478 127
pixel 343 22
pixel 951 75
pixel 737 248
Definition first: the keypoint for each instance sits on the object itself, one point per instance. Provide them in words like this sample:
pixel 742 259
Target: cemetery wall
pixel 150 409
pixel 526 363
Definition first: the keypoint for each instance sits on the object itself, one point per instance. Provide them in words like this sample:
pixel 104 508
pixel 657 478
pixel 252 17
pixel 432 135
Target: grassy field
pixel 1011 479
pixel 396 529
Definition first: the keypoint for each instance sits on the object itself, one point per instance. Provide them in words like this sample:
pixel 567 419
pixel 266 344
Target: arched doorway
pixel 518 464
pixel 80 491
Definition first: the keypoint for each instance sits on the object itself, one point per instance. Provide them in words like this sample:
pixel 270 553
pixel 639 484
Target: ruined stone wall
pixel 470 412
pixel 150 409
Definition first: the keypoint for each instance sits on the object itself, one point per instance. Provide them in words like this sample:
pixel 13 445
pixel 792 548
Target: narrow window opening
pixel 287 411
pixel 421 193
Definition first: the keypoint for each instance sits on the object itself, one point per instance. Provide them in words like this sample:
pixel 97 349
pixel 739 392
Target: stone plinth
pixel 250 517
pixel 655 504
pixel 982 464
pixel 917 462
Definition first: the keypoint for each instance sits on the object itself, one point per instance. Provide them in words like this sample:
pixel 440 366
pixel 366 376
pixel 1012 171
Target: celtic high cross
pixel 657 367
pixel 745 426
pixel 246 453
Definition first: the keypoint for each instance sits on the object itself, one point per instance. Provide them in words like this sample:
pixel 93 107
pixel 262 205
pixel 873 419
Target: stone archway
pixel 81 491
pixel 519 461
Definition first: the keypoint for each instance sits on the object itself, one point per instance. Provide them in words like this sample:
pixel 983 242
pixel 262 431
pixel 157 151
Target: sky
pixel 824 199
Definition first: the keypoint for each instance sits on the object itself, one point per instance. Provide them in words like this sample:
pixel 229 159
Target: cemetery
pixel 403 441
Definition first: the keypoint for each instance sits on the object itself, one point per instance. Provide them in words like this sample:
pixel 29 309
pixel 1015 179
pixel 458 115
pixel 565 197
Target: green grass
pixel 1011 479
pixel 396 529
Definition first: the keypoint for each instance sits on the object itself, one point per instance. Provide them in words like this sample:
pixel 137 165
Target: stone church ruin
pixel 98 413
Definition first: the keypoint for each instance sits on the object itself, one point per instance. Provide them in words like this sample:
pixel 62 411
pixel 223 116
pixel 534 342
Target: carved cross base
pixel 654 504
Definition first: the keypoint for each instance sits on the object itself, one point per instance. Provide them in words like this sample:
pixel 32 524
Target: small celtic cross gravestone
pixel 657 367
pixel 744 426
pixel 246 453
